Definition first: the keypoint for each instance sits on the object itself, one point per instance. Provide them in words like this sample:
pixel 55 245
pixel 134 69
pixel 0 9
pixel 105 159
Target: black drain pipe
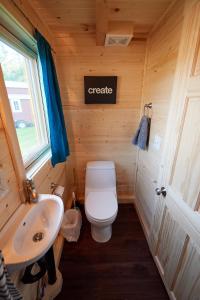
pixel 46 264
pixel 50 265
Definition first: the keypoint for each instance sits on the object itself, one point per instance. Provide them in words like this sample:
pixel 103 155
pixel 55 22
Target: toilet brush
pixel 74 200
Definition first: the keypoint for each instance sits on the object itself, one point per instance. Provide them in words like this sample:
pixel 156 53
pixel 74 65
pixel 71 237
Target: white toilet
pixel 101 204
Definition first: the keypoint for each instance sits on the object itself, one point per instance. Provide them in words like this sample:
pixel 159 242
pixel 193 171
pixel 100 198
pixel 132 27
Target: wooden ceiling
pixel 75 16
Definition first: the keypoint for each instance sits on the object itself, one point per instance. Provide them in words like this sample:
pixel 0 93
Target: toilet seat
pixel 101 206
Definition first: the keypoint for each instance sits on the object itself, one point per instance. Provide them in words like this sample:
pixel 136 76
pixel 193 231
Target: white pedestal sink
pixel 31 231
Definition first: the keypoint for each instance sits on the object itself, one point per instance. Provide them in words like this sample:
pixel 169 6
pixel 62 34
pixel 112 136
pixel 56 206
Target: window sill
pixel 38 164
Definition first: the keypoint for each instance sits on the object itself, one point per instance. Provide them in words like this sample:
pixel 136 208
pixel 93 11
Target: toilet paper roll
pixel 59 190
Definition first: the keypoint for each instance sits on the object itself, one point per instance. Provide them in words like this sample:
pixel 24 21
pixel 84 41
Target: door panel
pixel 156 224
pixel 185 176
pixel 175 232
pixel 145 192
pixel 187 286
pixel 170 246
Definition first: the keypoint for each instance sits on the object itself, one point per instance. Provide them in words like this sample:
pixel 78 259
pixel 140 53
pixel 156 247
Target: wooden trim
pixel 141 108
pixel 101 21
pixel 11 136
pixel 121 27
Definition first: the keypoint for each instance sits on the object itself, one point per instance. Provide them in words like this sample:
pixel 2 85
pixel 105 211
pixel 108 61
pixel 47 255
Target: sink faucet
pixel 32 193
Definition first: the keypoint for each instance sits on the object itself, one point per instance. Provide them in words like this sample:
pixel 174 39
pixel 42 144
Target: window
pixel 21 78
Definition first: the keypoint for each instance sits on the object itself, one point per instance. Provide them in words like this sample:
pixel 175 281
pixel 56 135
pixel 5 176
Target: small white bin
pixel 71 225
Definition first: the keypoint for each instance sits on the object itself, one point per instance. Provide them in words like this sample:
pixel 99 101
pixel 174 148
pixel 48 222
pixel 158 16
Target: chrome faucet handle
pixel 30 183
pixel 53 185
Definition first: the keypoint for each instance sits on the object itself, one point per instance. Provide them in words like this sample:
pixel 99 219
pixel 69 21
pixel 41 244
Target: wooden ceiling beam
pixel 101 21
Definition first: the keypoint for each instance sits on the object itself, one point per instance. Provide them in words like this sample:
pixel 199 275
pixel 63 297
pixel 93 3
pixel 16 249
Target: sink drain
pixel 38 237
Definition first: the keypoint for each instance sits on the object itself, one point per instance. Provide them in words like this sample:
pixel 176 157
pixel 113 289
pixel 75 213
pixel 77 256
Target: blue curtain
pixel 58 135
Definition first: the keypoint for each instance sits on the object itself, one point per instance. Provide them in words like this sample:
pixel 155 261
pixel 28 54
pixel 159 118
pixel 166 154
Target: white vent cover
pixel 117 40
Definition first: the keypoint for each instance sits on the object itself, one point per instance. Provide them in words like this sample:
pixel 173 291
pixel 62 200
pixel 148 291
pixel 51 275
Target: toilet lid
pixel 101 205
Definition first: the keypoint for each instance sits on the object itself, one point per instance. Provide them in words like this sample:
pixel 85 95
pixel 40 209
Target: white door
pixel 175 232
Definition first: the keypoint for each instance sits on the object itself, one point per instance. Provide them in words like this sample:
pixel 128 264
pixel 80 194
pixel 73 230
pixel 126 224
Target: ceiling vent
pixel 119 34
pixel 117 40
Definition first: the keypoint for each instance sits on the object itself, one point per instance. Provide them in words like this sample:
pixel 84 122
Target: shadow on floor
pixel 121 269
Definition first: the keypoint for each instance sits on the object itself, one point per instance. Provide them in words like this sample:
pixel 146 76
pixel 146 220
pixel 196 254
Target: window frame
pixel 34 76
pixel 36 94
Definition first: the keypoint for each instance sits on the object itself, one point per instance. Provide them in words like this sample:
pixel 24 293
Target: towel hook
pixel 147 106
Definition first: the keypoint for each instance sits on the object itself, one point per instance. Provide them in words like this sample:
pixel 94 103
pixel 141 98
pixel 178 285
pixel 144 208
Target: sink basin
pixel 31 231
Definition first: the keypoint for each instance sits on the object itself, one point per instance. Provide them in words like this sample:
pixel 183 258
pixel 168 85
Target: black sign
pixel 100 89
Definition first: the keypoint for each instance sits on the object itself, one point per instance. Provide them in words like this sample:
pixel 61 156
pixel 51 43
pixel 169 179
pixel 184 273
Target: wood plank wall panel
pixel 79 16
pixel 10 200
pixel 101 132
pixel 162 56
pixel 61 174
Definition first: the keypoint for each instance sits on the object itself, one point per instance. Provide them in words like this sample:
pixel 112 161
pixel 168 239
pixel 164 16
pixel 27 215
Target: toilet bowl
pixel 101 204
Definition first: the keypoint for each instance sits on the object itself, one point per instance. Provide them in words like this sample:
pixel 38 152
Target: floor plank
pixel 121 269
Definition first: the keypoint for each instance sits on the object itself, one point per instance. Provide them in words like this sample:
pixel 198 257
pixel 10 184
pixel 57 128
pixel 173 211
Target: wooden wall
pixel 47 173
pixel 9 198
pixel 61 174
pixel 163 45
pixel 101 132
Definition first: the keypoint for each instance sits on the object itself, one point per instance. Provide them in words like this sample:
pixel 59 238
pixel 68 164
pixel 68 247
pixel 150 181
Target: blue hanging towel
pixel 58 135
pixel 141 138
pixel 8 291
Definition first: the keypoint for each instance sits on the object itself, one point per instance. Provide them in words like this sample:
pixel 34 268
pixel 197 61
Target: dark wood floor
pixel 121 269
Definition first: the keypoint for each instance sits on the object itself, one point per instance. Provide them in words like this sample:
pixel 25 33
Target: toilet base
pixel 101 234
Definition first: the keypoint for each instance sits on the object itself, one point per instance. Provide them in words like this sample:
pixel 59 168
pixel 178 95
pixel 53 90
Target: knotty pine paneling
pixel 10 200
pixel 61 174
pixel 79 16
pixel 101 132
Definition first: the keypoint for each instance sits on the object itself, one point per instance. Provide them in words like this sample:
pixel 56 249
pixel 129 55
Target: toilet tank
pixel 100 175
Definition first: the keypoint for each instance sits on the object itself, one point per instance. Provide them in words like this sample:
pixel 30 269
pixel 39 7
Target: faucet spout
pixel 32 193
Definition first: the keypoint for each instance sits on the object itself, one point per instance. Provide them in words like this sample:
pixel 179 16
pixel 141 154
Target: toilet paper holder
pixel 53 186
pixel 57 189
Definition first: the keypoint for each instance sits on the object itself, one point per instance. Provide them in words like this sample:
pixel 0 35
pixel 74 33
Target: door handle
pixel 162 191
